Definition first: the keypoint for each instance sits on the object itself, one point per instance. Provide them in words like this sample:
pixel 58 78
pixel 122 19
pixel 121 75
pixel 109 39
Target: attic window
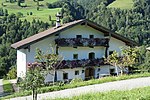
pixel 78 36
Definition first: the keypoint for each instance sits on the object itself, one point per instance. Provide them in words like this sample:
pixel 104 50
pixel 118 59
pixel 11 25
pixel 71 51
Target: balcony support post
pixel 57 50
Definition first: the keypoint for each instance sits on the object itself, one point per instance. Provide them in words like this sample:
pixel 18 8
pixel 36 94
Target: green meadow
pixel 41 14
pixel 122 4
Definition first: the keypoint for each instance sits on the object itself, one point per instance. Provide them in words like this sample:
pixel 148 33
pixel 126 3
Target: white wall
pixel 44 45
pixel 104 69
pixel 83 52
pixel 116 45
pixel 71 73
pixel 21 63
pixel 83 30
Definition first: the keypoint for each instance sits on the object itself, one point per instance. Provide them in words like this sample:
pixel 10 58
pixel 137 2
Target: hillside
pixel 122 4
pixel 30 6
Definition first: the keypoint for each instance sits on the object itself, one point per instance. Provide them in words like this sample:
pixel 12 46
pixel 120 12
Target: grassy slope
pixel 42 14
pixel 122 4
pixel 135 94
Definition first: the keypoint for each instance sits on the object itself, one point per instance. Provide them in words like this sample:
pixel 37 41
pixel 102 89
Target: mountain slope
pixel 122 4
pixel 29 9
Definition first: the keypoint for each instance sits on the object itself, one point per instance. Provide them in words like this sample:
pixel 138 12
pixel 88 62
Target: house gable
pixel 83 30
pixel 37 37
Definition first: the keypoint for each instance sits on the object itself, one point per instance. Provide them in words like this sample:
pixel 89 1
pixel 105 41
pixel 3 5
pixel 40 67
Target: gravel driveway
pixel 117 85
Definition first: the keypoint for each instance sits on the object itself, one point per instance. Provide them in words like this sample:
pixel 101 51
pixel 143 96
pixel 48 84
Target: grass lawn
pixel 7 86
pixel 42 14
pixel 122 4
pixel 78 84
pixel 134 94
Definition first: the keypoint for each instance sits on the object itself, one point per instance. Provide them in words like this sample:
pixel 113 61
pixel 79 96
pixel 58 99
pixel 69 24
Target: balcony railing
pixel 82 63
pixel 71 63
pixel 74 42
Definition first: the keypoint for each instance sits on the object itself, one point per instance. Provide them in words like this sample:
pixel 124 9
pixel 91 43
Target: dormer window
pixel 78 36
pixel 91 36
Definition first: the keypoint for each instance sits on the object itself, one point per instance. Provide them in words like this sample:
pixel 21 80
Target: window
pixel 111 52
pixel 82 71
pixel 98 69
pixel 78 36
pixel 91 36
pixel 77 72
pixel 65 75
pixel 92 55
pixel 75 56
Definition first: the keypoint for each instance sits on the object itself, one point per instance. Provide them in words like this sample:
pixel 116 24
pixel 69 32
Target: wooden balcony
pixel 75 42
pixel 82 63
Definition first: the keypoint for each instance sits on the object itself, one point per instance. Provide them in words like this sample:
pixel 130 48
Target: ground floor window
pixel 77 72
pixel 65 75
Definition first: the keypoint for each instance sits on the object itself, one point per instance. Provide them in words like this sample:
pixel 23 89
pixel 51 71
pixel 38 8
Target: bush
pixel 76 80
pixel 12 74
pixel 19 14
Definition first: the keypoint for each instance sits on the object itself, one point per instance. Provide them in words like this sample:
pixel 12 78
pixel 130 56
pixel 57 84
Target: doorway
pixel 92 55
pixel 89 73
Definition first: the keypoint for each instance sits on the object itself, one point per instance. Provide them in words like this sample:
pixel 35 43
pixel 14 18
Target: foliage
pixel 51 61
pixel 12 30
pixel 33 80
pixel 134 94
pixel 76 80
pixel 126 59
pixel 7 86
pixel 79 84
pixel 72 11
pixel 12 74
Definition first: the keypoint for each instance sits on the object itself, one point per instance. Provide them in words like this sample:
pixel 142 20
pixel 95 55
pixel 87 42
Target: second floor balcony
pixel 74 42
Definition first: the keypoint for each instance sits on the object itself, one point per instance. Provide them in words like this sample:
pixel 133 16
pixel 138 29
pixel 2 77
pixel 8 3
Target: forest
pixel 132 23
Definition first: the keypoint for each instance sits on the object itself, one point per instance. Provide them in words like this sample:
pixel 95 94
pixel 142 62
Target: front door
pixel 92 55
pixel 89 73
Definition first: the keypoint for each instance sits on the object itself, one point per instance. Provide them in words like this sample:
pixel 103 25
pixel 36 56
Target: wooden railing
pixel 74 42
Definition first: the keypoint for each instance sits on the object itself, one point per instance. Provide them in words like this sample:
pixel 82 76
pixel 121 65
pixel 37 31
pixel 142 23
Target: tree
pixel 127 59
pixel 51 61
pixel 19 2
pixel 113 60
pixel 34 79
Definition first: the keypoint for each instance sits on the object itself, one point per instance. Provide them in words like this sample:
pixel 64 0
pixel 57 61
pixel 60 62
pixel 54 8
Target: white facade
pixel 25 56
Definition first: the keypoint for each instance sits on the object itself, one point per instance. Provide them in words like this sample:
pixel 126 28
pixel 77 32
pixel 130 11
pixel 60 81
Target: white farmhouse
pixel 83 45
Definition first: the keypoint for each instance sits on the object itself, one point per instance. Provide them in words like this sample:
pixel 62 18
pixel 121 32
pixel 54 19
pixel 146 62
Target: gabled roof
pixel 37 37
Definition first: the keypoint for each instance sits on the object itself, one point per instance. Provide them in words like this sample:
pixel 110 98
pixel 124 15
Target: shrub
pixel 19 14
pixel 76 80
pixel 12 74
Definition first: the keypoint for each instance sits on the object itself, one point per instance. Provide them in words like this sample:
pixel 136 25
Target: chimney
pixel 58 16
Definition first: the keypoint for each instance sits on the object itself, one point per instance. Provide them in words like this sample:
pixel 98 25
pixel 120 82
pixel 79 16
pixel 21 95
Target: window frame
pixel 75 56
pixel 77 72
